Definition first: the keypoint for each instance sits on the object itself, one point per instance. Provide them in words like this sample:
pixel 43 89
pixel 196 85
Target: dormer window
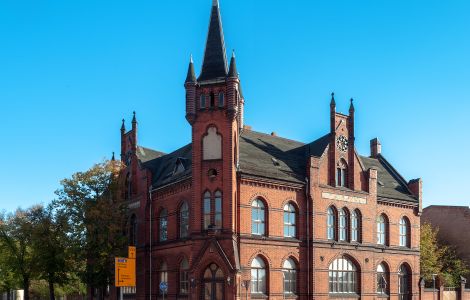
pixel 179 166
pixel 221 99
pixel 202 101
pixel 342 174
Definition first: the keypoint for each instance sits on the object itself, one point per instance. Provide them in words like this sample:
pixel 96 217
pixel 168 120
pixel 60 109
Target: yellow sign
pixel 124 271
pixel 132 252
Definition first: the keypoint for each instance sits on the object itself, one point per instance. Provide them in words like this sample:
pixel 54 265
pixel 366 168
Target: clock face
pixel 342 143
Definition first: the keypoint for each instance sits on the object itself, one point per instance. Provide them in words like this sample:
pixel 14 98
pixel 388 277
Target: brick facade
pixel 160 182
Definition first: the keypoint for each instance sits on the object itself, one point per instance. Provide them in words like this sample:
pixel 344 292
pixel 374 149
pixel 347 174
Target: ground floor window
pixel 343 277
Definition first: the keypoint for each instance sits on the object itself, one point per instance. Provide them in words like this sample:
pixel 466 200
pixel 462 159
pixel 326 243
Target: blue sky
pixel 71 70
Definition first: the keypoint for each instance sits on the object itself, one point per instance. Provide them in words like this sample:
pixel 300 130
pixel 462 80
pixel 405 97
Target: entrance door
pixel 213 283
pixel 404 283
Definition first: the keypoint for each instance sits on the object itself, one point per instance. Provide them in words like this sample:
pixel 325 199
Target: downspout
pixel 307 192
pixel 150 243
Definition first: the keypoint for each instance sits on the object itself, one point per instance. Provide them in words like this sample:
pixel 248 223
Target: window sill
pixel 290 296
pixel 383 296
pixel 259 296
pixel 343 295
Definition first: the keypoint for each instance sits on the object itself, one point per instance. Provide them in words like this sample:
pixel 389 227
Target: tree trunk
pixel 26 288
pixel 51 289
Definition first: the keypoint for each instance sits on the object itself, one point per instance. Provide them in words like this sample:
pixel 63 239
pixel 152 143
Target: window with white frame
pixel 331 223
pixel 257 217
pixel 289 274
pixel 258 276
pixel 355 215
pixel 289 220
pixel 343 225
pixel 381 230
pixel 404 232
pixel 382 280
pixel 343 277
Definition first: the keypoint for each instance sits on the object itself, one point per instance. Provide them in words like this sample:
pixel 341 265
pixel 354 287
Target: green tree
pixel 453 267
pixel 91 203
pixel 430 252
pixel 8 280
pixel 16 236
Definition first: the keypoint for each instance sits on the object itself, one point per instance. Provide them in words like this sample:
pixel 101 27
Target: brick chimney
pixel 375 147
pixel 416 187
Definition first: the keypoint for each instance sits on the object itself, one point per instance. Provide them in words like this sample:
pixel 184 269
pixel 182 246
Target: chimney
pixel 273 133
pixel 375 148
pixel 247 127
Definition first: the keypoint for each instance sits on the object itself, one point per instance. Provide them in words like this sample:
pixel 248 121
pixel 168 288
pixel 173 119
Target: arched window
pixel 133 231
pixel 355 226
pixel 342 173
pixel 404 286
pixel 202 101
pixel 163 225
pixel 207 210
pixel 128 188
pixel 184 278
pixel 258 276
pixel 404 232
pixel 257 217
pixel 289 275
pixel 343 277
pixel 213 283
pixel 382 279
pixel 382 230
pixel 163 275
pixel 343 225
pixel 289 220
pixel 221 99
pixel 331 223
pixel 218 210
pixel 184 220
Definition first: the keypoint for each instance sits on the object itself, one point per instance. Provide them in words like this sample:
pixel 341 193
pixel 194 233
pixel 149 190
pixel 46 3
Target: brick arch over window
pixel 212 144
pixel 344 276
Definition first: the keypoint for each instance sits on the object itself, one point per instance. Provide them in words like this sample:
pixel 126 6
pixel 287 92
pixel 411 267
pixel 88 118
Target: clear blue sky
pixel 71 70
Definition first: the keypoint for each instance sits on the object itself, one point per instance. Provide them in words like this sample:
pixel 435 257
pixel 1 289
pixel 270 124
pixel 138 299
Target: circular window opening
pixel 212 173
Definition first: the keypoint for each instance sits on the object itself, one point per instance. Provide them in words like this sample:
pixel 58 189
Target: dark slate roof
pixel 272 157
pixel 232 71
pixel 191 76
pixel 276 158
pixel 390 183
pixel 215 61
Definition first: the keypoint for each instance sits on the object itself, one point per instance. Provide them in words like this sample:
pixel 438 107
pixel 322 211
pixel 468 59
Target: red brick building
pixel 242 214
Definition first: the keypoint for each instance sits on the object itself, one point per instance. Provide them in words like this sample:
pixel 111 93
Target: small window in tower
pixel 212 100
pixel 221 99
pixel 203 101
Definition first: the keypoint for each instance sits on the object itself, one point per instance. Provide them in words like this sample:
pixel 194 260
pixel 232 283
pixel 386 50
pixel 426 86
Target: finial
pixel 191 58
pixel 215 2
pixel 112 157
pixel 134 120
pixel 332 99
pixel 233 53
pixel 123 127
pixel 351 107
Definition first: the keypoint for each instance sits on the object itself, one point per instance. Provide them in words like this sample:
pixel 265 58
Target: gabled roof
pixel 215 60
pixel 273 157
pixel 145 154
pixel 390 184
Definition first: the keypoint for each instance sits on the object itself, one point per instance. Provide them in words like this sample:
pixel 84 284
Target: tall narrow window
pixel 184 220
pixel 289 220
pixel 343 225
pixel 128 188
pixel 382 280
pixel 258 276
pixel 342 174
pixel 184 278
pixel 381 230
pixel 404 292
pixel 163 274
pixel 202 101
pixel 331 223
pixel 404 232
pixel 343 277
pixel 163 225
pixel 257 217
pixel 207 210
pixel 355 226
pixel 289 274
pixel 212 100
pixel 218 210
pixel 221 99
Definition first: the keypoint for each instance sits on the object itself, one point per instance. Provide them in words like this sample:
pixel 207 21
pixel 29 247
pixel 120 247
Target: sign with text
pixel 124 271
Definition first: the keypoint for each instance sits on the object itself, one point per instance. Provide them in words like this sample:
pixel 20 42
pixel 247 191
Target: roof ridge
pixel 273 136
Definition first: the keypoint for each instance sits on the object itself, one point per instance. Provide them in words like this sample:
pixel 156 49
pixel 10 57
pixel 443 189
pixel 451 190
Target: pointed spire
pixel 112 157
pixel 123 126
pixel 351 107
pixel 232 72
pixel 134 119
pixel 333 102
pixel 215 60
pixel 191 76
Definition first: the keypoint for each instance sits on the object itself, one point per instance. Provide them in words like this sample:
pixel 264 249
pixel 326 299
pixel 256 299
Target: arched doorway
pixel 213 283
pixel 404 283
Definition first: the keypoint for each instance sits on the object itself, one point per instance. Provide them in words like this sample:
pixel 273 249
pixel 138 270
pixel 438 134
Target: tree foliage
pixel 440 259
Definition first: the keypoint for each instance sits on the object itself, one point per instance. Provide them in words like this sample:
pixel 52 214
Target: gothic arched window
pixel 163 224
pixel 343 277
pixel 382 230
pixel 342 174
pixel 331 223
pixel 257 217
pixel 202 101
pixel 258 276
pixel 289 270
pixel 404 280
pixel 207 210
pixel 382 279
pixel 184 277
pixel 355 226
pixel 218 210
pixel 184 220
pixel 221 99
pixel 289 220
pixel 404 232
pixel 343 225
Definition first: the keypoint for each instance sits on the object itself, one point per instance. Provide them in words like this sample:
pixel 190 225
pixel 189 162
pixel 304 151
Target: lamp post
pixel 246 285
